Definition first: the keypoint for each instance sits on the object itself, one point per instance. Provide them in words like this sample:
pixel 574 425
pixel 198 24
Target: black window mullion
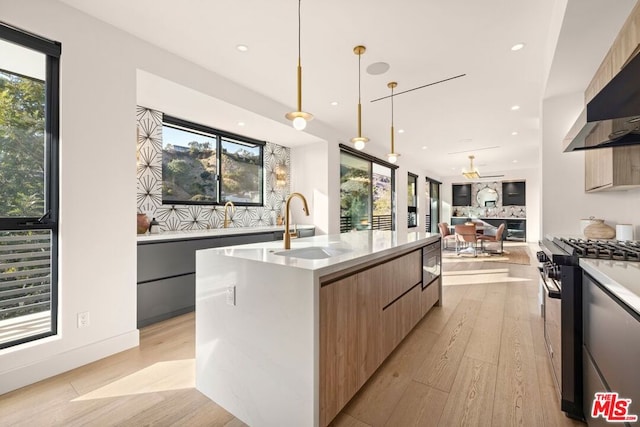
pixel 219 169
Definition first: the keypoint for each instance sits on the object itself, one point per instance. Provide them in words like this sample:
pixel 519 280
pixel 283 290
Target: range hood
pixel 612 117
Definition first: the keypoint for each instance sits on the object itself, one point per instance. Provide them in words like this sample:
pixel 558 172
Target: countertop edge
pixel 336 264
pixel 211 234
pixel 373 257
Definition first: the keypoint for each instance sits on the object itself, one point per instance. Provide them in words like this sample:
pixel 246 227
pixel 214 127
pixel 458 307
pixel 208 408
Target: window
pixel 29 96
pixel 202 165
pixel 366 192
pixel 412 200
pixel 432 217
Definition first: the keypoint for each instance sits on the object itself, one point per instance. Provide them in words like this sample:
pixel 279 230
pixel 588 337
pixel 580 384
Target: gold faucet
pixel 287 234
pixel 233 209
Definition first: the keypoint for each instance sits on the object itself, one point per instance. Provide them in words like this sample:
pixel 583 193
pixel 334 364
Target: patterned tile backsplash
pixel 498 211
pixel 191 217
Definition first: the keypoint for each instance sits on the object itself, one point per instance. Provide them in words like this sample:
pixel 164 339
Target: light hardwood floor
pixel 477 360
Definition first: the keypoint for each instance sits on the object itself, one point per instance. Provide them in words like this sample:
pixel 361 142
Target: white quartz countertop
pixel 621 278
pixel 212 232
pixel 350 249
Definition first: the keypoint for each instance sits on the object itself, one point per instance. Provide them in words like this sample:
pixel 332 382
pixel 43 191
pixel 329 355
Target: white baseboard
pixel 62 362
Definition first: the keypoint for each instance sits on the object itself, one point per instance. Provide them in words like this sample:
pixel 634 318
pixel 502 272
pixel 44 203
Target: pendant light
pixel 392 156
pixel 299 118
pixel 359 141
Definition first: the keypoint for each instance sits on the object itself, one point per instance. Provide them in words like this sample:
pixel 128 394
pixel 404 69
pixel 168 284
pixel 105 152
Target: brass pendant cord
pixel 299 60
pixel 393 150
pixel 359 104
pixel 359 140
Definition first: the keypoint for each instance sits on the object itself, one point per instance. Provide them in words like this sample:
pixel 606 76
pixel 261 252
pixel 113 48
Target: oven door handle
pixel 552 291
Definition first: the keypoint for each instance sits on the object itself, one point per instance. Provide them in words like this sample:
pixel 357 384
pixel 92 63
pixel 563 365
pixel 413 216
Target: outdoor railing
pixel 378 222
pixel 25 273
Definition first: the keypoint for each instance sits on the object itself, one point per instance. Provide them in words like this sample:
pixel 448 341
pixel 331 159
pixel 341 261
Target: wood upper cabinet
pixel 625 47
pixel 608 169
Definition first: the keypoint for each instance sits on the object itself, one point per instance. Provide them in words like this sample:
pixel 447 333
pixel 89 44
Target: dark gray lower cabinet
pixel 166 272
pixel 611 341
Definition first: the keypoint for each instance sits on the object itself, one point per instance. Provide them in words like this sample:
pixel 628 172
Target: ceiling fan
pixel 472 173
pixel 419 87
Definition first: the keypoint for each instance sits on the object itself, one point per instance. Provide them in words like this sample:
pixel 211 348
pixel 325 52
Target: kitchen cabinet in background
pixel 514 193
pixel 461 194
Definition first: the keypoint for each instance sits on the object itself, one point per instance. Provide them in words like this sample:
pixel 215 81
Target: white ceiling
pixel 422 40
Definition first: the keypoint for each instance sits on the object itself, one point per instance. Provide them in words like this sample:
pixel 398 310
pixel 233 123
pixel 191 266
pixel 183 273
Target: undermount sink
pixel 313 252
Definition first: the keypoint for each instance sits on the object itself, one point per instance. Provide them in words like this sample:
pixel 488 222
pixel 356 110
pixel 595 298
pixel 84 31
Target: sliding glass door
pixel 28 186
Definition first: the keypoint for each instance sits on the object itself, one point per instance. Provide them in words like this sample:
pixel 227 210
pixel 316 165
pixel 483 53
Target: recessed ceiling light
pixel 378 68
pixel 514 133
pixel 334 103
pixel 424 147
pixel 517 46
pixel 241 123
pixel 242 47
pixel 515 161
pixel 400 130
pixel 515 108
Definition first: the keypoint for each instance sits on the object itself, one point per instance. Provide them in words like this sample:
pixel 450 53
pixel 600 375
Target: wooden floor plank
pixel 344 420
pixel 471 399
pixel 420 405
pixel 517 396
pixel 441 364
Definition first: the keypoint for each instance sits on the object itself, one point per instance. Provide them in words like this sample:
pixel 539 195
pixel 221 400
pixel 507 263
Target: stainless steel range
pixel 561 288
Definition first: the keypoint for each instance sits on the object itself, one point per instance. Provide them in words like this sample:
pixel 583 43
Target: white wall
pixel 309 176
pixel 564 200
pixel 98 181
pixel 97 149
pixel 533 198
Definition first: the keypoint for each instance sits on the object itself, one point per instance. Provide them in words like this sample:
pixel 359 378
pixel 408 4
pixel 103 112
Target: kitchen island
pixel 287 337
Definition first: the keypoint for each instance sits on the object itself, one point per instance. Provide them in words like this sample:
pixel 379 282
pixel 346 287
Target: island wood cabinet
pixel 363 317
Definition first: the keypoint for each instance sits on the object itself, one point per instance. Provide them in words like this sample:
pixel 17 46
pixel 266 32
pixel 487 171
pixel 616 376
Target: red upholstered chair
pixel 496 238
pixel 446 235
pixel 466 235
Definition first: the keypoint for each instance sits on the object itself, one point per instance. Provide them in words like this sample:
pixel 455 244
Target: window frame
pixel 392 167
pixel 49 221
pixel 219 136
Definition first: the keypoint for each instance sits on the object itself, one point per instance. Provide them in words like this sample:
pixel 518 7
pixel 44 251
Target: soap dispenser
pixel 154 227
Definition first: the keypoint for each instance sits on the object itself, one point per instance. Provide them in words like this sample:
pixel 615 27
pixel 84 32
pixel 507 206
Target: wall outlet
pixel 231 295
pixel 83 319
